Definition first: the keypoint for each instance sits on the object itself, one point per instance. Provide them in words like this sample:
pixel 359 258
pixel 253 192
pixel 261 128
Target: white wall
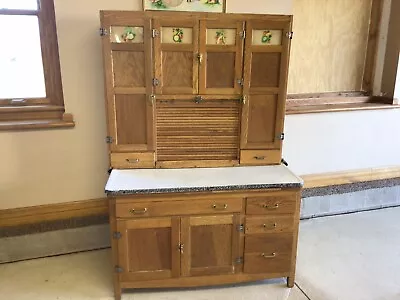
pixel 278 7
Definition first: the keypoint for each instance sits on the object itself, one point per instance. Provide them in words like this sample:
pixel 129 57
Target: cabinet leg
pixel 117 289
pixel 290 281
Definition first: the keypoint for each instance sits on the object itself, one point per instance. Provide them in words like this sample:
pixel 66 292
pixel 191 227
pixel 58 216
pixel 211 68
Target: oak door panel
pixel 148 248
pixel 221 57
pixel 127 53
pixel 175 54
pixel 265 70
pixel 211 245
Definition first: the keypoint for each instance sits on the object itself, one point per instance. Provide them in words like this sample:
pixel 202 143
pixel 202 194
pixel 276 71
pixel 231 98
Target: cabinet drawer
pixel 173 208
pixel 269 224
pixel 272 204
pixel 268 253
pixel 260 157
pixel 133 160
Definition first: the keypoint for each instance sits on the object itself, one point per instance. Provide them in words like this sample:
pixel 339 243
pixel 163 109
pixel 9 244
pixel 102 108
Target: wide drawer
pixel 133 160
pixel 271 204
pixel 260 157
pixel 269 253
pixel 269 224
pixel 171 208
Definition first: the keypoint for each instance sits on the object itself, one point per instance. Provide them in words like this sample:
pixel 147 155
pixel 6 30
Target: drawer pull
pixel 132 161
pixel 268 256
pixel 270 226
pixel 266 206
pixel 138 212
pixel 259 157
pixel 221 207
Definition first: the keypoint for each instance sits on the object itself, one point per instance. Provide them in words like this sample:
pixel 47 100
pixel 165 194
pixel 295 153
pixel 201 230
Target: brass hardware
pixel 244 99
pixel 200 58
pixel 271 207
pixel 154 33
pixel 103 31
pixel 215 206
pixel 270 227
pixel 259 157
pixel 240 228
pixel 242 34
pixel 138 212
pixel 240 81
pixel 181 247
pixel 132 161
pixel 152 99
pixel 268 256
pixel 198 99
pixel 156 82
pixel 17 101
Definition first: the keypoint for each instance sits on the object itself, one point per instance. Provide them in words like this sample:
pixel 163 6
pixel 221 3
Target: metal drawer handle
pixel 133 161
pixel 270 226
pixel 259 157
pixel 222 207
pixel 268 256
pixel 138 212
pixel 271 207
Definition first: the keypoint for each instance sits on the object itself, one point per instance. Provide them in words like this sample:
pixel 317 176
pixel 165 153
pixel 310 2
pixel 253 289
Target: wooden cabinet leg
pixel 290 281
pixel 117 289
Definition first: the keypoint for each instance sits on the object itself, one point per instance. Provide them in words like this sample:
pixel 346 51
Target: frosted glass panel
pixel 267 37
pixel 19 4
pixel 221 36
pixel 21 67
pixel 175 35
pixel 126 34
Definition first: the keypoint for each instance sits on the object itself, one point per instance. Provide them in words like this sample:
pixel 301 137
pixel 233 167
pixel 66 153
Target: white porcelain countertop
pixel 135 181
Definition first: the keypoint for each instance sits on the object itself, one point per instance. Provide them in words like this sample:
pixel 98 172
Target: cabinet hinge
pixel 103 31
pixel 242 34
pixel 239 260
pixel 117 235
pixel 109 139
pixel 156 82
pixel 118 269
pixel 240 228
pixel 240 81
pixel 155 33
pixel 289 35
pixel 281 136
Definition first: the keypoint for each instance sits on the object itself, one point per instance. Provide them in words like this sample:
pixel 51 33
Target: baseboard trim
pixel 348 177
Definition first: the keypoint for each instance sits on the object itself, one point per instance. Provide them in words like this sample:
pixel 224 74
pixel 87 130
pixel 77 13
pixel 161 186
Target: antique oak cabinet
pixel 193 99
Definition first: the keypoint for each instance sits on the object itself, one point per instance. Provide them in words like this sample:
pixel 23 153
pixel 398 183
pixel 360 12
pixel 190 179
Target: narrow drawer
pixel 172 208
pixel 260 157
pixel 269 253
pixel 272 204
pixel 269 224
pixel 133 160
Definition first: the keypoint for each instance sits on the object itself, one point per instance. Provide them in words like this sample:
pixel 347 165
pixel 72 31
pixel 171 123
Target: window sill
pixel 338 104
pixel 65 122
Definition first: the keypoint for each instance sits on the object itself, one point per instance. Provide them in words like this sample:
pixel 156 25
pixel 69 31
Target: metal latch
pixel 242 34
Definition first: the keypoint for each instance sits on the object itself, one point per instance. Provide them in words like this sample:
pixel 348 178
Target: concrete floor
pixel 350 257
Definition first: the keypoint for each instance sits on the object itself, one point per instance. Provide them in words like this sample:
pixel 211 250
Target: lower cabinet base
pixel 185 282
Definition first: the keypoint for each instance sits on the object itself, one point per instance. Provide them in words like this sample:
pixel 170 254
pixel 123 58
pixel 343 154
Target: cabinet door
pixel 176 50
pixel 128 81
pixel 265 83
pixel 149 248
pixel 221 57
pixel 210 245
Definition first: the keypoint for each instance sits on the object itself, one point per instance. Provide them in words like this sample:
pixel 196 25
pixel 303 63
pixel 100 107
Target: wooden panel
pixel 329 45
pixel 269 224
pixel 260 157
pixel 133 160
pixel 266 243
pixel 274 203
pixel 187 131
pixel 220 70
pixel 212 205
pixel 177 69
pixel 265 69
pixel 128 69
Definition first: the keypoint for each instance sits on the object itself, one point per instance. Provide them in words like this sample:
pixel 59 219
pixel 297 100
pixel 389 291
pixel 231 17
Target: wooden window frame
pixel 47 112
pixel 349 101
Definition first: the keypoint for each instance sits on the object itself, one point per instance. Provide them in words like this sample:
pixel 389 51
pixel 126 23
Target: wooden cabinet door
pixel 148 248
pixel 128 80
pixel 221 57
pixel 210 245
pixel 175 52
pixel 265 83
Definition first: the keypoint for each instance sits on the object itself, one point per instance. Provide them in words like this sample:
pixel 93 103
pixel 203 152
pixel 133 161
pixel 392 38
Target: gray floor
pixel 347 257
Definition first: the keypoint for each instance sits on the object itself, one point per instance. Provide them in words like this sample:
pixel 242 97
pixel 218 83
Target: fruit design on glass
pixel 129 34
pixel 220 38
pixel 212 2
pixel 177 35
pixel 266 37
pixel 158 4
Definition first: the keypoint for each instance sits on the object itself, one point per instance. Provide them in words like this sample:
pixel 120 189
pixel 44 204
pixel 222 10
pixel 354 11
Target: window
pixel 30 81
